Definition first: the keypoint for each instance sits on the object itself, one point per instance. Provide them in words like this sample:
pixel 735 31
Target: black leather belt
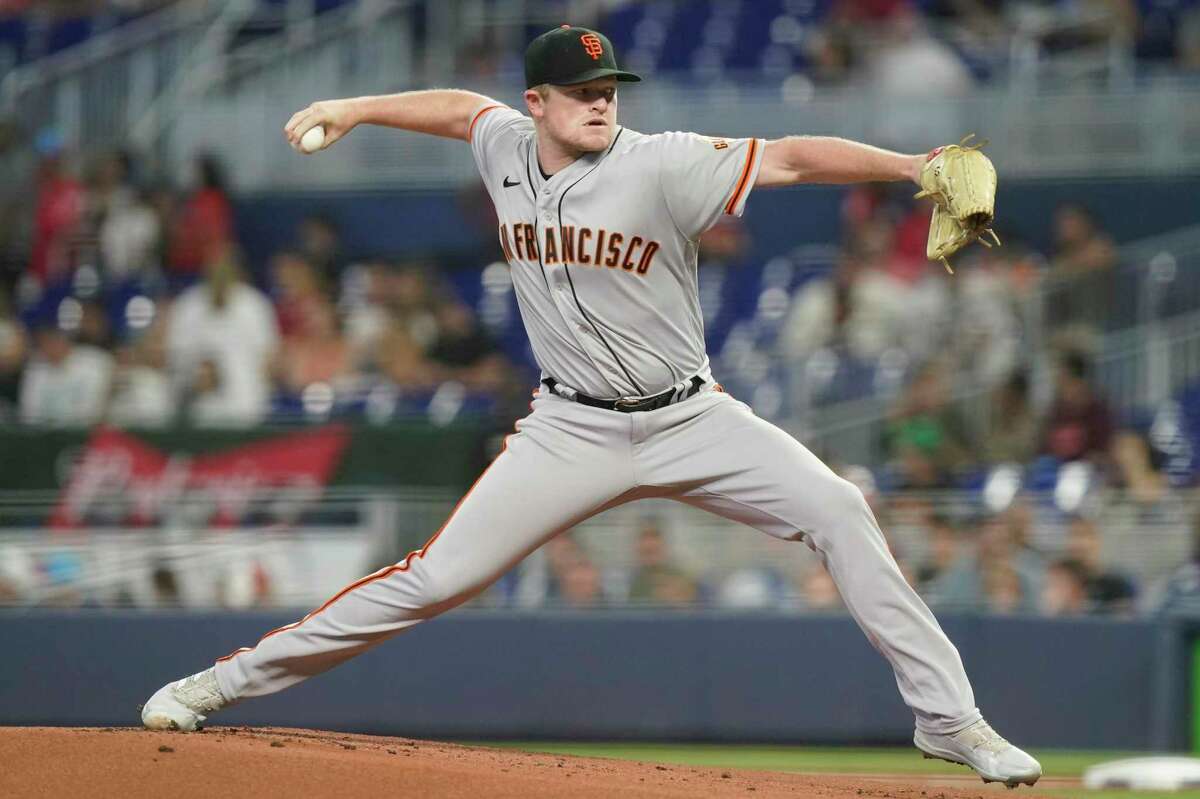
pixel 630 405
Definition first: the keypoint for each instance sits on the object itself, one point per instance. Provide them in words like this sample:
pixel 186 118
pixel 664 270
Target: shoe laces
pixel 980 735
pixel 200 692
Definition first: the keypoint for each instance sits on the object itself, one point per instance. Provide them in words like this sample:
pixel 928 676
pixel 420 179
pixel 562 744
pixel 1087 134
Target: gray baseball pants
pixel 567 462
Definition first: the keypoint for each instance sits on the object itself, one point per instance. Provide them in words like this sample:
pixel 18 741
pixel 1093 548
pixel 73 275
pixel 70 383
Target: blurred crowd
pixel 964 41
pixel 76 8
pixel 993 365
pixel 1001 564
pixel 951 44
pixel 909 48
pixel 1022 561
pixel 128 300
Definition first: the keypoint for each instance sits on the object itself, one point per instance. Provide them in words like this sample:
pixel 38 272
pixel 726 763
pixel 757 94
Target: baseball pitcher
pixel 599 224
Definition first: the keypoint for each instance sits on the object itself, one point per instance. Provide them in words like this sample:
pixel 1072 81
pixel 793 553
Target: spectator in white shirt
pixel 66 384
pixel 142 393
pixel 225 332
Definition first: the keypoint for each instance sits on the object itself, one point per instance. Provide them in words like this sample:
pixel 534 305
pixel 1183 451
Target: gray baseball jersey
pixel 603 253
pixel 603 258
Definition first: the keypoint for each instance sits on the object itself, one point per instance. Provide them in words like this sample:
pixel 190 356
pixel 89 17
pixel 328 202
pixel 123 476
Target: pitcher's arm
pixel 439 112
pixel 826 159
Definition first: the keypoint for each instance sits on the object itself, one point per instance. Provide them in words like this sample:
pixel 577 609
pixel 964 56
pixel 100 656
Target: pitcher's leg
pixel 746 469
pixel 500 521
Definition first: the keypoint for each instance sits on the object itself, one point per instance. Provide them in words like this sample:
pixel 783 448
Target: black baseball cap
pixel 568 55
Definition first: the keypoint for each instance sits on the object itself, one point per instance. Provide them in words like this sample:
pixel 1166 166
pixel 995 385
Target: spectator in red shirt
pixel 204 225
pixel 297 288
pixel 1079 425
pixel 57 213
pixel 870 11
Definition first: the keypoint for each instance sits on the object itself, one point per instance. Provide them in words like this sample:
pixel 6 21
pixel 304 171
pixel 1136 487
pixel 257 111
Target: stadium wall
pixel 413 224
pixel 1088 683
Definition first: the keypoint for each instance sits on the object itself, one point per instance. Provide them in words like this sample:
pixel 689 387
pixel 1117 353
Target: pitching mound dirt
pixel 265 762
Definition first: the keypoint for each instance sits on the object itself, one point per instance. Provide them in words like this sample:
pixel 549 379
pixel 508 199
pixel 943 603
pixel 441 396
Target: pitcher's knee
pixel 844 500
pixel 837 516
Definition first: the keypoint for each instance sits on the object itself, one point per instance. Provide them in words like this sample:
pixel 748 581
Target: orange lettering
pixel 584 233
pixel 531 248
pixel 551 248
pixel 517 242
pixel 614 249
pixel 634 243
pixel 504 245
pixel 597 258
pixel 566 235
pixel 647 257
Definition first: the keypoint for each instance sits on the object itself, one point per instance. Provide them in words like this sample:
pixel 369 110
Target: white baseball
pixel 313 139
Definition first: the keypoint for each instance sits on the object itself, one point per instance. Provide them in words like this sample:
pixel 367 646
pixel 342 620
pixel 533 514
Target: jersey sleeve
pixel 704 177
pixel 493 127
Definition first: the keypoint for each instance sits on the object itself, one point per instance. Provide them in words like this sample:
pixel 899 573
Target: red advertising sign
pixel 124 480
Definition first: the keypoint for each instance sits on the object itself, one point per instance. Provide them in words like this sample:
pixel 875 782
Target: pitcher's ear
pixel 535 98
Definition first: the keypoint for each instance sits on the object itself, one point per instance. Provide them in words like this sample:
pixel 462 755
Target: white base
pixel 1145 774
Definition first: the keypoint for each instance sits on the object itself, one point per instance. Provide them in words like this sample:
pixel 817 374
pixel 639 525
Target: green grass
pixel 1056 763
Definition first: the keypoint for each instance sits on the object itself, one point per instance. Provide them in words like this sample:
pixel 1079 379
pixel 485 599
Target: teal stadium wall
pixel 1087 683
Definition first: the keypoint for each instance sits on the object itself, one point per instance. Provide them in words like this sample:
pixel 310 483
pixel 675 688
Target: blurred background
pixel 236 378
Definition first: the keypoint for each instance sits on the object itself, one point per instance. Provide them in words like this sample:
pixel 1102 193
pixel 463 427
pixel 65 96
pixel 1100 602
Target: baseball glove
pixel 962 182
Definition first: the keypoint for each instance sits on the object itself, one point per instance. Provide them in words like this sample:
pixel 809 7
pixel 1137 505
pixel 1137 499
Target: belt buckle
pixel 627 403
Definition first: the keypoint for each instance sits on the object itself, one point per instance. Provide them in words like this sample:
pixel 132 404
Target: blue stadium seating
pixel 738 33
pixel 27 39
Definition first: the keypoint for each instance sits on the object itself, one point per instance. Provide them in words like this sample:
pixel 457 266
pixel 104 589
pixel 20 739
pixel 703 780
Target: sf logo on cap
pixel 591 43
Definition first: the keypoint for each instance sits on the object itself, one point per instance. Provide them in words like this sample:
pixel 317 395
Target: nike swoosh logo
pixel 508 185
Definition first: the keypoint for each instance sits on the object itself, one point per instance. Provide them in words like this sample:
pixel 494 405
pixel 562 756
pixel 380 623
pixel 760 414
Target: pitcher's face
pixel 581 117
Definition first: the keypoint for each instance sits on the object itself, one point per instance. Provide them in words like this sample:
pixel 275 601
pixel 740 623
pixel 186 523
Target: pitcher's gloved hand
pixel 962 182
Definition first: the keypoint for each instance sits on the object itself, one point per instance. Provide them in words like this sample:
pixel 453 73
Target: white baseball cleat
pixel 981 748
pixel 184 705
